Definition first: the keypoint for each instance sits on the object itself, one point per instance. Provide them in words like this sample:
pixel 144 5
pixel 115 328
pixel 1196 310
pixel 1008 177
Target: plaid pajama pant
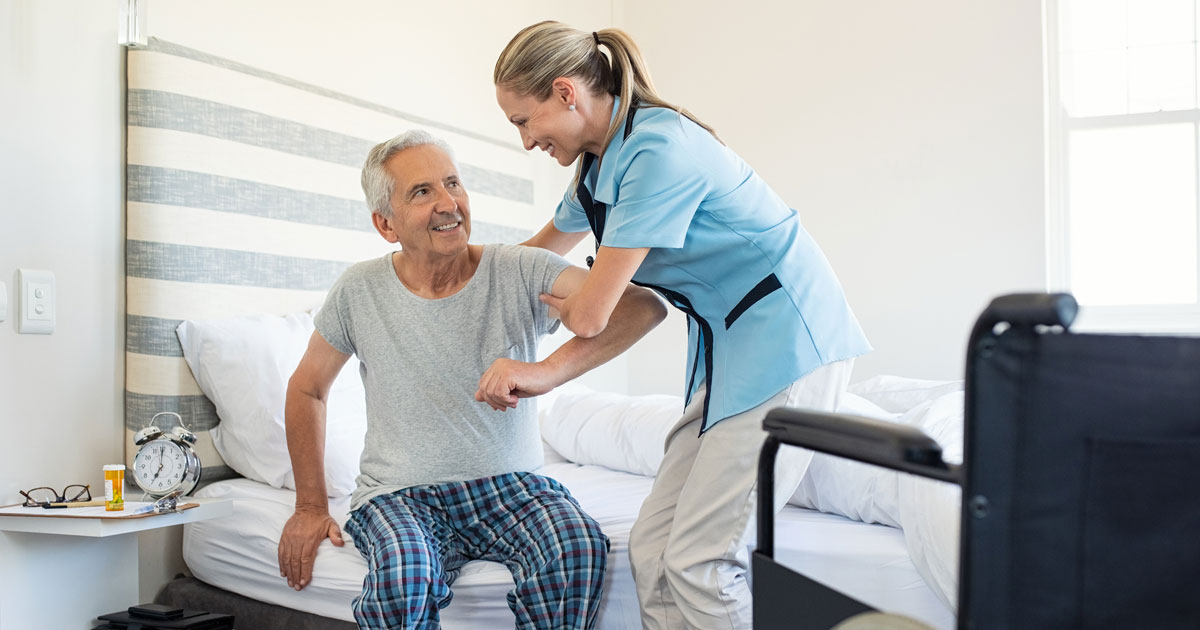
pixel 416 540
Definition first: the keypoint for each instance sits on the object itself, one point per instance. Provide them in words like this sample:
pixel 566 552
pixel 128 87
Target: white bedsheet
pixel 238 553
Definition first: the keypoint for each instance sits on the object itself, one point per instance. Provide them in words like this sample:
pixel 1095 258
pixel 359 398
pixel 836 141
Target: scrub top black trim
pixel 596 215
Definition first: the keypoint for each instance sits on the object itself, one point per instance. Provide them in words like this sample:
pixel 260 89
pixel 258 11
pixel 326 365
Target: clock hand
pixel 160 465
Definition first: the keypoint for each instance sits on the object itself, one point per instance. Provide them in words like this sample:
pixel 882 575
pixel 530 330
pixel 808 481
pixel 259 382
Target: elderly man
pixel 446 471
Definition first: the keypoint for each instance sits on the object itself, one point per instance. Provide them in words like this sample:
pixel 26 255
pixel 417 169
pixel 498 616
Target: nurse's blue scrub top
pixel 763 304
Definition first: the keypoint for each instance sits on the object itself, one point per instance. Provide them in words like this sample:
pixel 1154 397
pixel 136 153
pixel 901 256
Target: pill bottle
pixel 114 486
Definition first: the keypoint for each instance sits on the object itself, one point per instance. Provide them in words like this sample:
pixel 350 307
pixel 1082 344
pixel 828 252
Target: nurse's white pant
pixel 688 548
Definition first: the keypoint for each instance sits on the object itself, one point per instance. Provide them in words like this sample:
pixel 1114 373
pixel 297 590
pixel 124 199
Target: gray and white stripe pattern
pixel 243 196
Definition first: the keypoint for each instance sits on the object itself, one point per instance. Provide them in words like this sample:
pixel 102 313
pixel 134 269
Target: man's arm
pixel 304 419
pixel 637 312
pixel 587 309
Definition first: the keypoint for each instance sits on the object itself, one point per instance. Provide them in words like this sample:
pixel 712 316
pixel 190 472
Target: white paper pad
pixel 131 508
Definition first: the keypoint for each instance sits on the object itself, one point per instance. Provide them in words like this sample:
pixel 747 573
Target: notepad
pixel 137 509
pixel 78 504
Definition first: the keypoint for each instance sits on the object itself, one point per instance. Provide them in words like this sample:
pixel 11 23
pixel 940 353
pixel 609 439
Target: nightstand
pixel 62 572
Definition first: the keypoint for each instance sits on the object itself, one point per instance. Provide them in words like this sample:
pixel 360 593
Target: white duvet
pixel 604 448
pixel 238 554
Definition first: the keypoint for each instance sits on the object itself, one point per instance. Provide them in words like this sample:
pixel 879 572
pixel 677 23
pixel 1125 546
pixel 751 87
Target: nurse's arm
pixel 555 240
pixel 586 312
pixel 506 381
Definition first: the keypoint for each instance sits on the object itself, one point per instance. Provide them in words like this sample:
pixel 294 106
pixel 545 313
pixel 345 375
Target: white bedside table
pixel 62 572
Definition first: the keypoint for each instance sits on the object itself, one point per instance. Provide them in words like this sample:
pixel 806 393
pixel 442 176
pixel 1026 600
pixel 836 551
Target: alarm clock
pixel 166 463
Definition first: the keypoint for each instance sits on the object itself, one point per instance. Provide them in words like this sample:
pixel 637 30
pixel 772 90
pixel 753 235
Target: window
pixel 1123 132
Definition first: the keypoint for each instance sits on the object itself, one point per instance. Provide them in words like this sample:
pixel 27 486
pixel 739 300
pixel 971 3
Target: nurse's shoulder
pixel 654 125
pixel 668 142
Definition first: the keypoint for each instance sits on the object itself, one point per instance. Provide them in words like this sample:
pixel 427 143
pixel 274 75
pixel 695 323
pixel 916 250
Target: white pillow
pixel 929 510
pixel 852 489
pixel 868 493
pixel 617 431
pixel 898 394
pixel 243 365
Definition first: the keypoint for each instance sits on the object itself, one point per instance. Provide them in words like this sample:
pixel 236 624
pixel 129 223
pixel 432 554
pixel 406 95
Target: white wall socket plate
pixel 35 310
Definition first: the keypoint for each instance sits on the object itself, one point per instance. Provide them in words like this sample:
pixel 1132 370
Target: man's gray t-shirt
pixel 421 361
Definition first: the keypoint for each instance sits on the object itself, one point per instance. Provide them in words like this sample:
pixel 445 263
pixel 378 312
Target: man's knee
pixel 570 535
pixel 583 543
pixel 407 555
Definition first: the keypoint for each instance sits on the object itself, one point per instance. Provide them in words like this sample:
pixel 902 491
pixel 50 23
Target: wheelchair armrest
pixel 868 440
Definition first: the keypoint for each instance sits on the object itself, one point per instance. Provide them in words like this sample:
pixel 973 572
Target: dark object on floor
pixel 154 617
pixel 189 592
pixel 1080 505
pixel 157 611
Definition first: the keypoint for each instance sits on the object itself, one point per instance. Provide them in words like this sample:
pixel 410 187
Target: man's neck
pixel 433 277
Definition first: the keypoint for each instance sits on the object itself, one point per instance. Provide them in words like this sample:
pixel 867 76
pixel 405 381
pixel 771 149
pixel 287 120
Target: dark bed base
pixel 251 614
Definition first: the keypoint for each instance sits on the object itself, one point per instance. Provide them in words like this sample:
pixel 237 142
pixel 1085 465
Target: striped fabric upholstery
pixel 243 196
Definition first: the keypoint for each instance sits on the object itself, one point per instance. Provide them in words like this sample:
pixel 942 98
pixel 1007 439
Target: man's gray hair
pixel 377 184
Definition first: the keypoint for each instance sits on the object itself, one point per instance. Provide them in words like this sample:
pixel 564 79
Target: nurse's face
pixel 549 125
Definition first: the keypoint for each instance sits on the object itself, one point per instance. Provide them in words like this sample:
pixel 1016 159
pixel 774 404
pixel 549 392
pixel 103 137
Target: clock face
pixel 159 466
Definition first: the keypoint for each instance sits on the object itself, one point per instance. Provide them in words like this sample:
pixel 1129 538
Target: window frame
pixel 1144 318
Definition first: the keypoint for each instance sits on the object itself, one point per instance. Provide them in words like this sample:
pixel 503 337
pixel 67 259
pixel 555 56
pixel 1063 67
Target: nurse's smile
pixel 565 124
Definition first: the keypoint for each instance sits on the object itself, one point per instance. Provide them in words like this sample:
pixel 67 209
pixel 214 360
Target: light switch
pixel 36 309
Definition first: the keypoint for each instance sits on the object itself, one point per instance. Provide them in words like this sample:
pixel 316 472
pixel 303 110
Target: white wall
pixel 907 134
pixel 61 187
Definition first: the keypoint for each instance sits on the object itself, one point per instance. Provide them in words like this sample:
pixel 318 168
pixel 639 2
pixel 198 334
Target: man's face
pixel 430 210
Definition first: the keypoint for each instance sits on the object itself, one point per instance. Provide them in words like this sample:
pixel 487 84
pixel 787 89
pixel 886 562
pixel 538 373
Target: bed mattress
pixel 238 553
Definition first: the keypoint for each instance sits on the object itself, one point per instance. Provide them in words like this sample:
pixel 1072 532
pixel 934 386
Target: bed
pixel 238 554
pixel 870 562
pixel 243 208
pixel 885 539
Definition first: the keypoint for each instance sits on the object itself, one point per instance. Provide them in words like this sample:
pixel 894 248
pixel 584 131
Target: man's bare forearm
pixel 636 313
pixel 304 415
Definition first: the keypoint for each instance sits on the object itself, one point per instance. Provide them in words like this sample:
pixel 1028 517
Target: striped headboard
pixel 243 196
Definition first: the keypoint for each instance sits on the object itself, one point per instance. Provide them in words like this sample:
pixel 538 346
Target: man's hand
pixel 507 380
pixel 302 535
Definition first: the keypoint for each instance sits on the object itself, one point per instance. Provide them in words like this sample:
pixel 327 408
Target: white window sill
pixel 1151 320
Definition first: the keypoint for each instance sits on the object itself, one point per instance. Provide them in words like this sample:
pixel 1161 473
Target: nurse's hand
pixel 507 381
pixel 585 300
pixel 555 303
pixel 567 311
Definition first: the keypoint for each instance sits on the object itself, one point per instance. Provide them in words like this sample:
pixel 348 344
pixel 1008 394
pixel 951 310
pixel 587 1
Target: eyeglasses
pixel 44 495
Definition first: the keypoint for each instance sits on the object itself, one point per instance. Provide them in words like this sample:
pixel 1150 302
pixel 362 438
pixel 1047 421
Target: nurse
pixel 672 208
